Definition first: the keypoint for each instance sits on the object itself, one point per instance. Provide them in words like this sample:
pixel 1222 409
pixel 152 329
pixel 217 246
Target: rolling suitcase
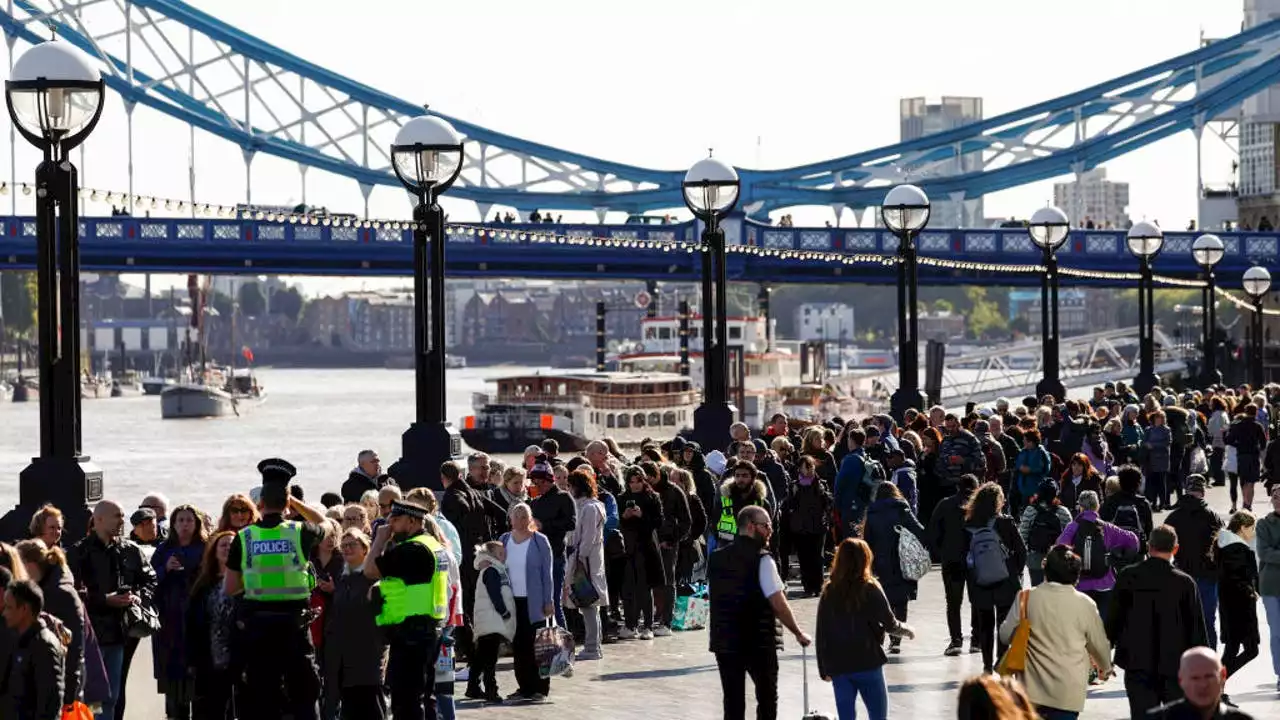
pixel 808 713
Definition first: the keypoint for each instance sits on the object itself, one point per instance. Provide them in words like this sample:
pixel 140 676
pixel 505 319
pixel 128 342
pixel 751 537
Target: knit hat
pixel 541 470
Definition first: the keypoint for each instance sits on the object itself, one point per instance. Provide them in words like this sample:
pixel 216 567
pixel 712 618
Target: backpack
pixel 987 556
pixel 1127 518
pixel 1090 545
pixel 913 559
pixel 872 475
pixel 1046 526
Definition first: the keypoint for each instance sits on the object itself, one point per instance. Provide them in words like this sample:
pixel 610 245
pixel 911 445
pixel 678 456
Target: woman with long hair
pixel 238 512
pixel 853 618
pixel 210 633
pixel 1079 477
pixel 47 566
pixel 47 524
pixel 641 516
pixel 10 561
pixel 177 564
pixel 990 697
pixel 988 531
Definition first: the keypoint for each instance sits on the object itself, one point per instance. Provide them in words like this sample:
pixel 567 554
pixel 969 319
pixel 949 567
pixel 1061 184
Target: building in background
pixel 942 325
pixel 1258 204
pixel 825 322
pixel 919 118
pixel 1093 199
pixel 1073 311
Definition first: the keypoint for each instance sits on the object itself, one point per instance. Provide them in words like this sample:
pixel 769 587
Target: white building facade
pixel 1094 198
pixel 825 322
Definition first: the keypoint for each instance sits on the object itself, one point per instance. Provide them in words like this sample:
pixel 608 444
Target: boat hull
pixel 195 401
pixel 515 440
pixel 154 386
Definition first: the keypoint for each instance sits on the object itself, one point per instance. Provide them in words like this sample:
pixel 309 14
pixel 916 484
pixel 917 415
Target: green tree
pixel 288 302
pixel 18 303
pixel 253 302
pixel 943 306
pixel 984 315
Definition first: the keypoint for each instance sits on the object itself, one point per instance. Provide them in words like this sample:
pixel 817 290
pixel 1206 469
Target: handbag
pixel 1015 658
pixel 553 648
pixel 913 559
pixel 141 621
pixel 582 587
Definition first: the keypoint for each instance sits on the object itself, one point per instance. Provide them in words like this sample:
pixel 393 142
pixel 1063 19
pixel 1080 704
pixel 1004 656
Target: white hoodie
pixel 485 616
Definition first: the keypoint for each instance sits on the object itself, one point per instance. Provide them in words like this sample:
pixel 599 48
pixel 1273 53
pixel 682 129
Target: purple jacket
pixel 1113 537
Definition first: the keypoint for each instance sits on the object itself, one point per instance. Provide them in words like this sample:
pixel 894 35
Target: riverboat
pixel 575 408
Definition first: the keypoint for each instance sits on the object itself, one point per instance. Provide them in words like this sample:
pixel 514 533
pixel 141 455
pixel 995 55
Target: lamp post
pixel 1208 251
pixel 427 157
pixel 1257 281
pixel 905 213
pixel 711 191
pixel 55 98
pixel 1049 228
pixel 1145 241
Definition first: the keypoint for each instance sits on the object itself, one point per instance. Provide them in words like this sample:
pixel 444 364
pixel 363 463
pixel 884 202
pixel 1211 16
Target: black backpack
pixel 1127 518
pixel 1046 526
pixel 1091 546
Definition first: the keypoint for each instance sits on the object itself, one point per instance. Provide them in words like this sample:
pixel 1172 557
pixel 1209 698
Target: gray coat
pixel 586 545
pixel 1157 443
pixel 355 650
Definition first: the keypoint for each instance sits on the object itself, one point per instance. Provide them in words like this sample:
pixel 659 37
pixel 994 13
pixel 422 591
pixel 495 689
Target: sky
pixel 766 84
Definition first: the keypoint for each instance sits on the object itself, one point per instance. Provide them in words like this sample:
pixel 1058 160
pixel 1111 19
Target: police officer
pixel 412 570
pixel 268 564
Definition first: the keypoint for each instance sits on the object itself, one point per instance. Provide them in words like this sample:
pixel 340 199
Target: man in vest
pixel 267 564
pixel 748 600
pixel 412 571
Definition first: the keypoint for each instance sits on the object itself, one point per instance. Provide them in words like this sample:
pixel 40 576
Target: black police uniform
pixel 277 655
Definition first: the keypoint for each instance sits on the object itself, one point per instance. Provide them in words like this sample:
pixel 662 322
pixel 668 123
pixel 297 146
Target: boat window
pixel 563 389
pixel 664 333
pixel 669 418
pixel 608 420
pixel 646 389
pixel 654 419
pixel 638 420
pixel 735 332
pixel 624 420
pixel 650 333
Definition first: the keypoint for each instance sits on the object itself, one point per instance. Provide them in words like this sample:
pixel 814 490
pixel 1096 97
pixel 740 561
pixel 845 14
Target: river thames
pixel 316 419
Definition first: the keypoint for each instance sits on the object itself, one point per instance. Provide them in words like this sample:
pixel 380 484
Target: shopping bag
pixel 445 667
pixel 76 711
pixel 1015 658
pixel 582 587
pixel 913 559
pixel 553 648
pixel 692 611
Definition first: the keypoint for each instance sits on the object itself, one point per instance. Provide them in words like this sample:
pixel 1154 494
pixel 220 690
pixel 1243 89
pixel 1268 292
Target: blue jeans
pixel 870 685
pixel 1209 601
pixel 557 576
pixel 1048 713
pixel 113 659
pixel 1271 603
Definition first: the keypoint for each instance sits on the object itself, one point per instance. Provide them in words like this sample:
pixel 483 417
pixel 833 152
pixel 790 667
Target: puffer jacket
pixel 961 454
pixel 495 607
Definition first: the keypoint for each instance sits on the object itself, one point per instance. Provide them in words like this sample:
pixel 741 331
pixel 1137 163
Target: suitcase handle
pixel 804 664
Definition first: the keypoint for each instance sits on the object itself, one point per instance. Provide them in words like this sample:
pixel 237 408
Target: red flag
pixel 247 353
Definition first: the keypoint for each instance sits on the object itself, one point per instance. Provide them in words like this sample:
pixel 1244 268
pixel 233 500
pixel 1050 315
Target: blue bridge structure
pixel 175 59
pixel 758 253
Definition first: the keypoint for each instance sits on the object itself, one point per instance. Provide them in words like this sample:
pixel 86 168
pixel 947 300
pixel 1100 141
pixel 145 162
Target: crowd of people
pixel 1047 515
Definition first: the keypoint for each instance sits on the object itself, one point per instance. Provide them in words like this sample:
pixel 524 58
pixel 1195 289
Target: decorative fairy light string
pixel 241 212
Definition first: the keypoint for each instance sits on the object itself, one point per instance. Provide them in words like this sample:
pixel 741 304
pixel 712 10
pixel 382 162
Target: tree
pixel 943 306
pixel 288 302
pixel 253 302
pixel 984 315
pixel 18 303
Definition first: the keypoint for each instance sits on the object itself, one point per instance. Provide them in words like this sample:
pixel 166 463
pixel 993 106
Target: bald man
pixel 1202 678
pixel 115 575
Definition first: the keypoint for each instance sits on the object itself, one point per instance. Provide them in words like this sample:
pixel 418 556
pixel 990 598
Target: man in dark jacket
pixel 365 476
pixel 1202 678
pixel 676 526
pixel 1010 445
pixel 947 539
pixel 33 681
pixel 748 607
pixel 960 453
pixel 114 575
pixel 1198 526
pixel 474 516
pixel 1155 617
pixel 557 516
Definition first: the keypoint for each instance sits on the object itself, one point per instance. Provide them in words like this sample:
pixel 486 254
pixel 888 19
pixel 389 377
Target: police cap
pixel 276 471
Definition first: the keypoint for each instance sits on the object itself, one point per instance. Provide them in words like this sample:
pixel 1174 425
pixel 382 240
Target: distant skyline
pixel 793 84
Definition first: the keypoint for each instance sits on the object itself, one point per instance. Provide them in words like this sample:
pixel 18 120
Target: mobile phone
pixel 631 503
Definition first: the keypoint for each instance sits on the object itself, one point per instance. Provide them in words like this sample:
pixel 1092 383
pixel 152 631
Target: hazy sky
pixel 656 83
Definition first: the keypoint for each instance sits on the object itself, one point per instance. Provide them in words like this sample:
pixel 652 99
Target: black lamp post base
pixel 1051 386
pixel 1145 383
pixel 424 447
pixel 711 423
pixel 1210 378
pixel 905 399
pixel 70 484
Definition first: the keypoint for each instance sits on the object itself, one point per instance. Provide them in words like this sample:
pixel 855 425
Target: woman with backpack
pixel 1042 522
pixel 995 556
pixel 808 519
pixel 1127 509
pixel 887 516
pixel 1097 541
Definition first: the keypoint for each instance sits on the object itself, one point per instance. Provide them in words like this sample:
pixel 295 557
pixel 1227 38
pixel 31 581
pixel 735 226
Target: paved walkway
pixel 676 677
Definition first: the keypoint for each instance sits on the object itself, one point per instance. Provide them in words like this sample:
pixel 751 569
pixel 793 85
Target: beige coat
pixel 1066 632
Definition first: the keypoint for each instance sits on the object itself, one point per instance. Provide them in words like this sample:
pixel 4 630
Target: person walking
pixel 1269 575
pixel 947 539
pixel 995 556
pixel 1042 523
pixel 1031 468
pixel 1238 592
pixel 888 516
pixel 1128 509
pixel 808 514
pixel 33 678
pixel 1156 442
pixel 748 610
pixel 854 615
pixel 1198 526
pixel 1155 616
pixel 1095 542
pixel 267 565
pixel 1067 638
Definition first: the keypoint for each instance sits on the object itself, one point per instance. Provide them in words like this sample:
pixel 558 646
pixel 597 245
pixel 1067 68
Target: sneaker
pixel 626 633
pixel 589 655
pixel 955 648
pixel 662 631
pixel 462 675
pixel 646 634
pixel 538 698
pixel 974 648
pixel 517 698
pixel 493 699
